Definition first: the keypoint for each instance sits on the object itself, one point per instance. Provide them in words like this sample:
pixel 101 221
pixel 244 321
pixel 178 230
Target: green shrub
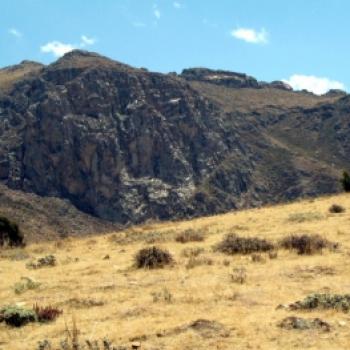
pixel 16 316
pixel 345 181
pixel 153 258
pixel 10 234
pixel 25 284
pixel 233 244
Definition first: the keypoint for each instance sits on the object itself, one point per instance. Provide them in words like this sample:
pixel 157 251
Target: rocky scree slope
pixel 127 145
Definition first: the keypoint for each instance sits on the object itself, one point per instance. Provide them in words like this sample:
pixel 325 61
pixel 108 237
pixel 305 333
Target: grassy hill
pixel 198 302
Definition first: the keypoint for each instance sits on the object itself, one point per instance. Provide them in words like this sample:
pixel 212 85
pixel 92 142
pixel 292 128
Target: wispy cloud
pixel 57 48
pixel 317 85
pixel 86 41
pixel 138 24
pixel 250 35
pixel 156 12
pixel 15 32
pixel 177 5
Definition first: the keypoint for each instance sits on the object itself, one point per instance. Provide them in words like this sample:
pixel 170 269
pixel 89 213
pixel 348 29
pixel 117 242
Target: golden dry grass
pixel 246 311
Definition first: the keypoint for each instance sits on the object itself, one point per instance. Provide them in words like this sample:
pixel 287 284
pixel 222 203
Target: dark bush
pixel 232 244
pixel 153 258
pixel 345 181
pixel 336 208
pixel 189 236
pixel 10 234
pixel 16 316
pixel 306 244
pixel 47 313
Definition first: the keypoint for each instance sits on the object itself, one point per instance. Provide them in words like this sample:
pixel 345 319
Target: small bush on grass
pixel 323 301
pixel 336 209
pixel 152 258
pixel 10 235
pixel 189 236
pixel 232 244
pixel 25 284
pixel 16 316
pixel 46 261
pixel 306 244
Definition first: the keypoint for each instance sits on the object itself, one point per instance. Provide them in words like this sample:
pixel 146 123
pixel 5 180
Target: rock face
pixel 220 77
pixel 127 145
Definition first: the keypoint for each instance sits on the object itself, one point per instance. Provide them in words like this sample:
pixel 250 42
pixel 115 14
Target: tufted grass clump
pixel 233 244
pixel 46 313
pixel 153 258
pixel 189 236
pixel 306 244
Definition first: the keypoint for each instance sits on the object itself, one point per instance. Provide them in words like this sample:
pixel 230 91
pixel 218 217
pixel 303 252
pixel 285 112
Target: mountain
pixel 128 145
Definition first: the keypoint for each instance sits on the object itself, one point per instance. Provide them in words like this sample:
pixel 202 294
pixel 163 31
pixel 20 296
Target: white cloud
pixel 85 41
pixel 251 35
pixel 156 11
pixel 57 48
pixel 15 32
pixel 314 84
pixel 177 5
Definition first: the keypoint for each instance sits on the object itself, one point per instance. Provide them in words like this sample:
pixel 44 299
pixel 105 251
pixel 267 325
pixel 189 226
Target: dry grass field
pixel 196 303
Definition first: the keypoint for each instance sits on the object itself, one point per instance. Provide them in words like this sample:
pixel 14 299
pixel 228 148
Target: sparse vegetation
pixel 336 209
pixel 152 258
pixel 192 252
pixel 323 301
pixel 10 234
pixel 233 244
pixel 293 322
pixel 198 261
pixel 164 295
pixel 25 284
pixel 306 244
pixel 303 217
pixel 239 275
pixel 189 236
pixel 46 261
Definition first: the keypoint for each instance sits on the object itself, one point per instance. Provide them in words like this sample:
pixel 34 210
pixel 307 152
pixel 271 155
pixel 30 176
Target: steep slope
pixel 127 145
pixel 48 218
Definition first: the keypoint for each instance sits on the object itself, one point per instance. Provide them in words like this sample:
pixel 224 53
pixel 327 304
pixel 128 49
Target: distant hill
pixel 128 145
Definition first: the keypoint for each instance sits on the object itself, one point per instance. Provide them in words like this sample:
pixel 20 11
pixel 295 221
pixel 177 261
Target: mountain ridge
pixel 128 145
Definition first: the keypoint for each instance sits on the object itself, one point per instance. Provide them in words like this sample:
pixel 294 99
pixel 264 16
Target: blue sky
pixel 301 41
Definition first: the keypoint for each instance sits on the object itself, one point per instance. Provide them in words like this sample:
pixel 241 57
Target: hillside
pixel 197 303
pixel 127 145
